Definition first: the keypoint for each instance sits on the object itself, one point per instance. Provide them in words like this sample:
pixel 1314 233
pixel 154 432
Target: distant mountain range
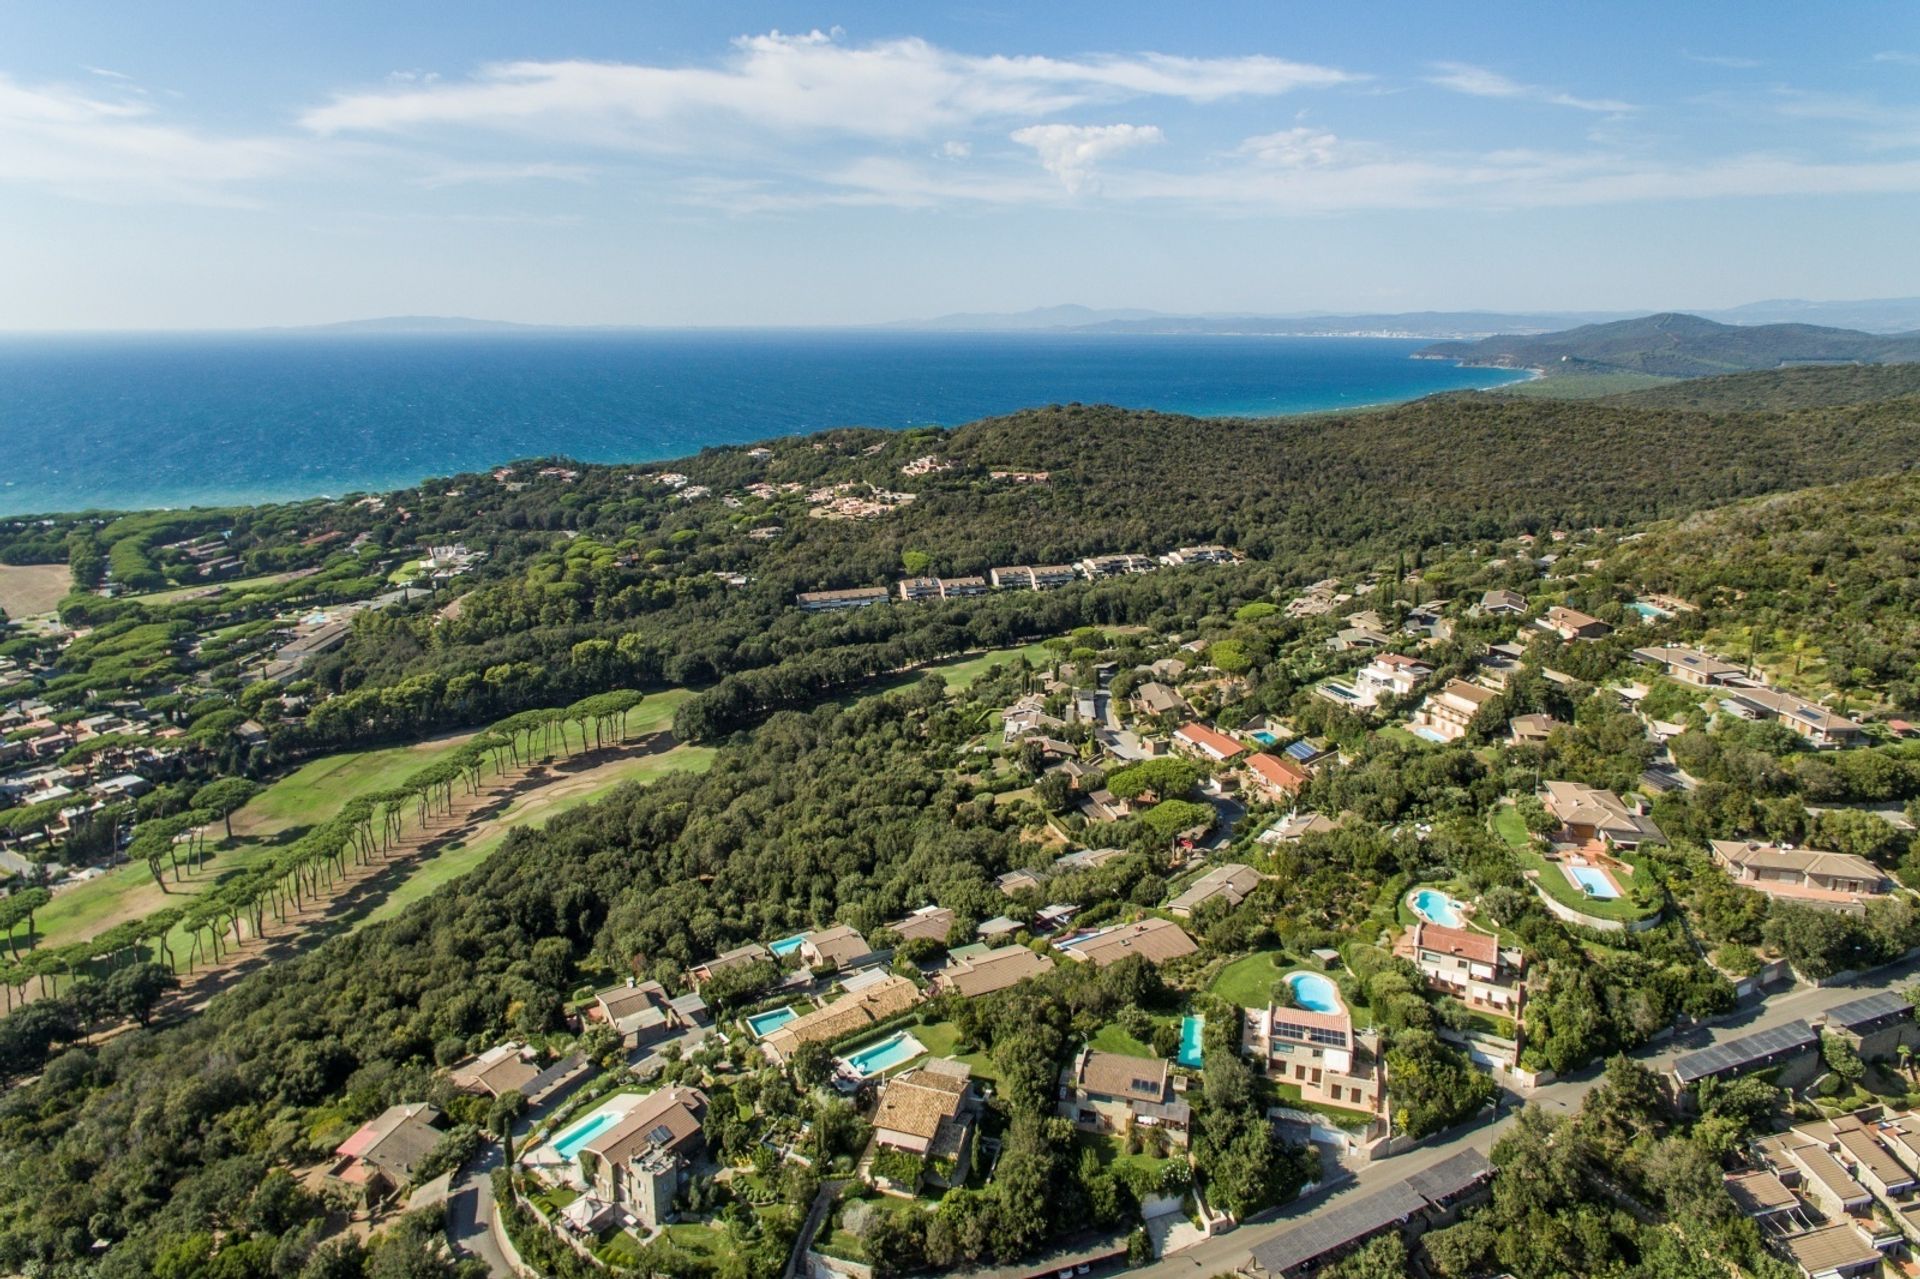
pixel 1673 345
pixel 1884 315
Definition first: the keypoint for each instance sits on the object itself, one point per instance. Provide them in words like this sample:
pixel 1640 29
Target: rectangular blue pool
pixel 895 1050
pixel 1594 881
pixel 568 1143
pixel 1191 1055
pixel 764 1024
pixel 787 945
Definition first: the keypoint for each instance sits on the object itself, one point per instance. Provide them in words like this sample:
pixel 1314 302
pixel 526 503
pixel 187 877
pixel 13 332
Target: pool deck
pixel 1568 867
pixel 849 1068
pixel 547 1154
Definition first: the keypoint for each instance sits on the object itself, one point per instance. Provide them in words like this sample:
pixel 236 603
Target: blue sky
pixel 200 165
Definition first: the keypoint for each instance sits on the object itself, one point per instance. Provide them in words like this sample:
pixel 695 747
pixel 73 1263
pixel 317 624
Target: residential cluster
pixel 1011 577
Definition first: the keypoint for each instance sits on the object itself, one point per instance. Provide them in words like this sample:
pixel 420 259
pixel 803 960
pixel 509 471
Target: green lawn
pixel 1249 982
pixel 1113 1038
pixel 317 790
pixel 1399 733
pixel 942 1037
pixel 959 672
pixel 1491 1023
pixel 1510 826
pixel 128 892
pixel 962 672
pixel 1552 880
pixel 457 859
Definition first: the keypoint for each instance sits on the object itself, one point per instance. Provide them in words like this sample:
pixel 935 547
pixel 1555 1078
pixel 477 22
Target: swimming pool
pixel 764 1024
pixel 1435 907
pixel 1426 734
pixel 1191 1053
pixel 1314 993
pixel 1649 611
pixel 1343 692
pixel 1594 882
pixel 568 1143
pixel 1265 738
pixel 894 1050
pixel 787 945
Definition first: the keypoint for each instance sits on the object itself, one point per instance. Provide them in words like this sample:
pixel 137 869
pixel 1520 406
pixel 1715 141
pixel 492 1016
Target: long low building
pixel 1158 939
pixel 853 597
pixel 845 1016
pixel 1803 876
pixel 1420 1201
pixel 974 974
pixel 1810 720
pixel 1232 882
pixel 1762 1050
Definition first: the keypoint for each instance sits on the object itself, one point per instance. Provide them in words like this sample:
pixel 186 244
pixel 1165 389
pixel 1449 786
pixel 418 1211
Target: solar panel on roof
pixel 1869 1008
pixel 1744 1051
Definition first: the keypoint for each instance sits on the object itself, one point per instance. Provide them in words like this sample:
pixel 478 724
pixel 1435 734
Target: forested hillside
pixel 1679 346
pixel 173 1151
pixel 1303 499
pixel 1821 585
pixel 1812 386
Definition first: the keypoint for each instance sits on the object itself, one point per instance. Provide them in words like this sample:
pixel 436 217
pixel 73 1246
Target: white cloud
pixel 114 148
pixel 1070 152
pixel 1731 61
pixel 799 84
pixel 1877 125
pixel 1479 82
pixel 1291 148
pixel 954 150
pixel 1505 180
pixel 1898 56
pixel 468 174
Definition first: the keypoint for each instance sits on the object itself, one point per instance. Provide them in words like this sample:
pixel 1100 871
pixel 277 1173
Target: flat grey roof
pixel 1350 1223
pixel 1748 1050
pixel 1858 1012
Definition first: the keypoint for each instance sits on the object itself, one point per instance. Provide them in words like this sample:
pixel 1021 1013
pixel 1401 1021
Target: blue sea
pixel 139 421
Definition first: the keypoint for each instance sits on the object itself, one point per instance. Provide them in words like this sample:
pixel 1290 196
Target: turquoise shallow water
pixel 132 421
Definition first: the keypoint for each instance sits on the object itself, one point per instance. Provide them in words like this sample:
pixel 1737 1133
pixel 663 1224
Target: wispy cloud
pixel 1733 62
pixel 1479 82
pixel 799 84
pixel 468 174
pixel 1291 148
pixel 1897 56
pixel 1070 152
pixel 1877 125
pixel 113 148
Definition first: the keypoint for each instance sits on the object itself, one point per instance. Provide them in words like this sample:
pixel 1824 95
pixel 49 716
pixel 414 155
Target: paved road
pixel 1230 1251
pixel 470 1214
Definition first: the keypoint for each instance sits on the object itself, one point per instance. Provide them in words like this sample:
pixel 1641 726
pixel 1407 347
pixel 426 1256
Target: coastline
pixel 140 428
